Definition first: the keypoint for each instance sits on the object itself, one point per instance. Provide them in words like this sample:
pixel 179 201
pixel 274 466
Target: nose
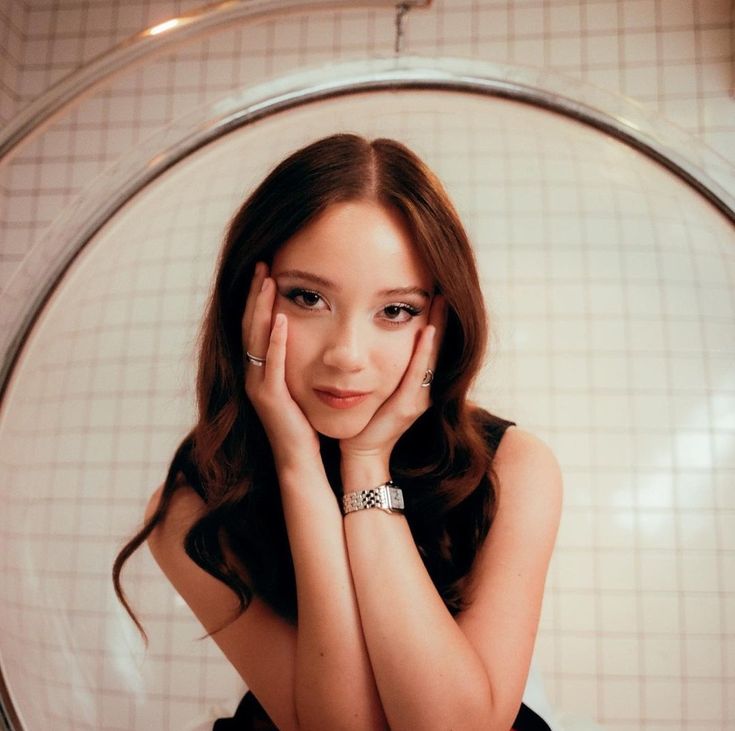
pixel 345 348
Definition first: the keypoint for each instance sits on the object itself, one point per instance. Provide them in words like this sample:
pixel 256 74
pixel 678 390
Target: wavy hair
pixel 443 461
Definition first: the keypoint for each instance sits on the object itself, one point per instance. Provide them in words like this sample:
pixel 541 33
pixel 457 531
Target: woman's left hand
pixel 376 441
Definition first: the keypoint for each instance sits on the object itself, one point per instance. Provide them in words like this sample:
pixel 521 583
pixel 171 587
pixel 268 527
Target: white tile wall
pixel 639 595
pixel 672 56
pixel 638 629
pixel 12 24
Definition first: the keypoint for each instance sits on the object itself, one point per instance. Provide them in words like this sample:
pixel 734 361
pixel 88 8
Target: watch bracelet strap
pixel 388 497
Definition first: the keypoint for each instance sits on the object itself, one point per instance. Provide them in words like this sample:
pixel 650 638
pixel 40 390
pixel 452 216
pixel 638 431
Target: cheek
pixel 300 351
pixel 397 357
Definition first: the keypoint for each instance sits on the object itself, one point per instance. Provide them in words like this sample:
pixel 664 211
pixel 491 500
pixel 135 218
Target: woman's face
pixel 356 295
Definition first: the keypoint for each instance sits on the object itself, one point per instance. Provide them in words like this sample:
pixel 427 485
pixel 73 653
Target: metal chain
pixel 401 10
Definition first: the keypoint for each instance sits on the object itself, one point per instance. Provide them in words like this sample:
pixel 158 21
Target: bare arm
pixel 289 669
pixel 259 644
pixel 428 674
pixel 334 683
pixel 435 671
pixel 316 675
pixel 334 687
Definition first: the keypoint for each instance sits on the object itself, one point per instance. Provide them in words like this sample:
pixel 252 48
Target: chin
pixel 338 432
pixel 339 427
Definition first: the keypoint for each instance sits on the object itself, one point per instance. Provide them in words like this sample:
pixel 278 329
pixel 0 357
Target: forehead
pixel 355 240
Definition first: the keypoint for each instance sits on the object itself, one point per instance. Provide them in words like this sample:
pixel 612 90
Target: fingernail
pixel 280 320
pixel 262 286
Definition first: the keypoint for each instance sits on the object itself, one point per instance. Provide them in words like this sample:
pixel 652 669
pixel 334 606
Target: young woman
pixel 366 546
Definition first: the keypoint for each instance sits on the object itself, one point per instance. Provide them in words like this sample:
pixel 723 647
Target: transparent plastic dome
pixel 609 286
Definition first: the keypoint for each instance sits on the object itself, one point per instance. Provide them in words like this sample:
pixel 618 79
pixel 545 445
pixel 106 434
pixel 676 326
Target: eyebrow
pixel 327 284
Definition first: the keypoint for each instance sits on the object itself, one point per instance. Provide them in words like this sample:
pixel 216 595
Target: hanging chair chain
pixel 401 11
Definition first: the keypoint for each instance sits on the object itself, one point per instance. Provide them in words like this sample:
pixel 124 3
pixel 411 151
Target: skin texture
pixel 350 338
pixel 375 646
pixel 344 333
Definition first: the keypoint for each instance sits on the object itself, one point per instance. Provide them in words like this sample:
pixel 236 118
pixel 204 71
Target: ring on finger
pixel 428 378
pixel 254 359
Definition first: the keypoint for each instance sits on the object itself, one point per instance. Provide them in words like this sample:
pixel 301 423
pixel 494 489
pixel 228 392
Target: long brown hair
pixel 443 462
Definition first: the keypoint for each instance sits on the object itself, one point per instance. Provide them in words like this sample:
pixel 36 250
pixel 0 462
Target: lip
pixel 341 399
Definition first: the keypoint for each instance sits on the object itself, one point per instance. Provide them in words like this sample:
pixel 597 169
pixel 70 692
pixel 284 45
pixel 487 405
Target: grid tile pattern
pixel 12 23
pixel 672 56
pixel 609 287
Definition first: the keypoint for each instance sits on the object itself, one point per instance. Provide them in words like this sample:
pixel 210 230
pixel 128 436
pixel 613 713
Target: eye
pixel 306 298
pixel 400 312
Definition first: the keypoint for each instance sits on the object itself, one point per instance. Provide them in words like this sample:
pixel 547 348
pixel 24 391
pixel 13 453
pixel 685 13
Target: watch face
pixel 395 496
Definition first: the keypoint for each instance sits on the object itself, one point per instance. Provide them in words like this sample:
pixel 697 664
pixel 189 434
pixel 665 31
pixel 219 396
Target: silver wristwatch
pixel 388 497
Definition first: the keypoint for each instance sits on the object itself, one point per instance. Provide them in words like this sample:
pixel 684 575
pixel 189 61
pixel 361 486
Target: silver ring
pixel 260 362
pixel 428 378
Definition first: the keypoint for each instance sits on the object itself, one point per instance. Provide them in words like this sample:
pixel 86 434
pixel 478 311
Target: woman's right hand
pixel 291 436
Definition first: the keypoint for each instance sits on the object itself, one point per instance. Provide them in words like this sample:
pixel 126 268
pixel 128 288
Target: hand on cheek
pixel 408 401
pixel 265 333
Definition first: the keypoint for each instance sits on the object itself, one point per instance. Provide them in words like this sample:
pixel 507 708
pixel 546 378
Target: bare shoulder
pixel 166 544
pixel 511 565
pixel 185 508
pixel 527 469
pixel 166 541
pixel 529 485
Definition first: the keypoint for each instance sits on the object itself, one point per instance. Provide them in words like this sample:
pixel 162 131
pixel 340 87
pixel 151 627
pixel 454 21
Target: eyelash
pixel 294 293
pixel 411 310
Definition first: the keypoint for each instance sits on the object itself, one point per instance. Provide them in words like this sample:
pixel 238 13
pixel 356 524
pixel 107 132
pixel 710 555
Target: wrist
pixel 387 497
pixel 298 473
pixel 363 473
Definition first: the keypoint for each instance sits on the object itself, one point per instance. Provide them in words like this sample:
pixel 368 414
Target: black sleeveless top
pixel 251 716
